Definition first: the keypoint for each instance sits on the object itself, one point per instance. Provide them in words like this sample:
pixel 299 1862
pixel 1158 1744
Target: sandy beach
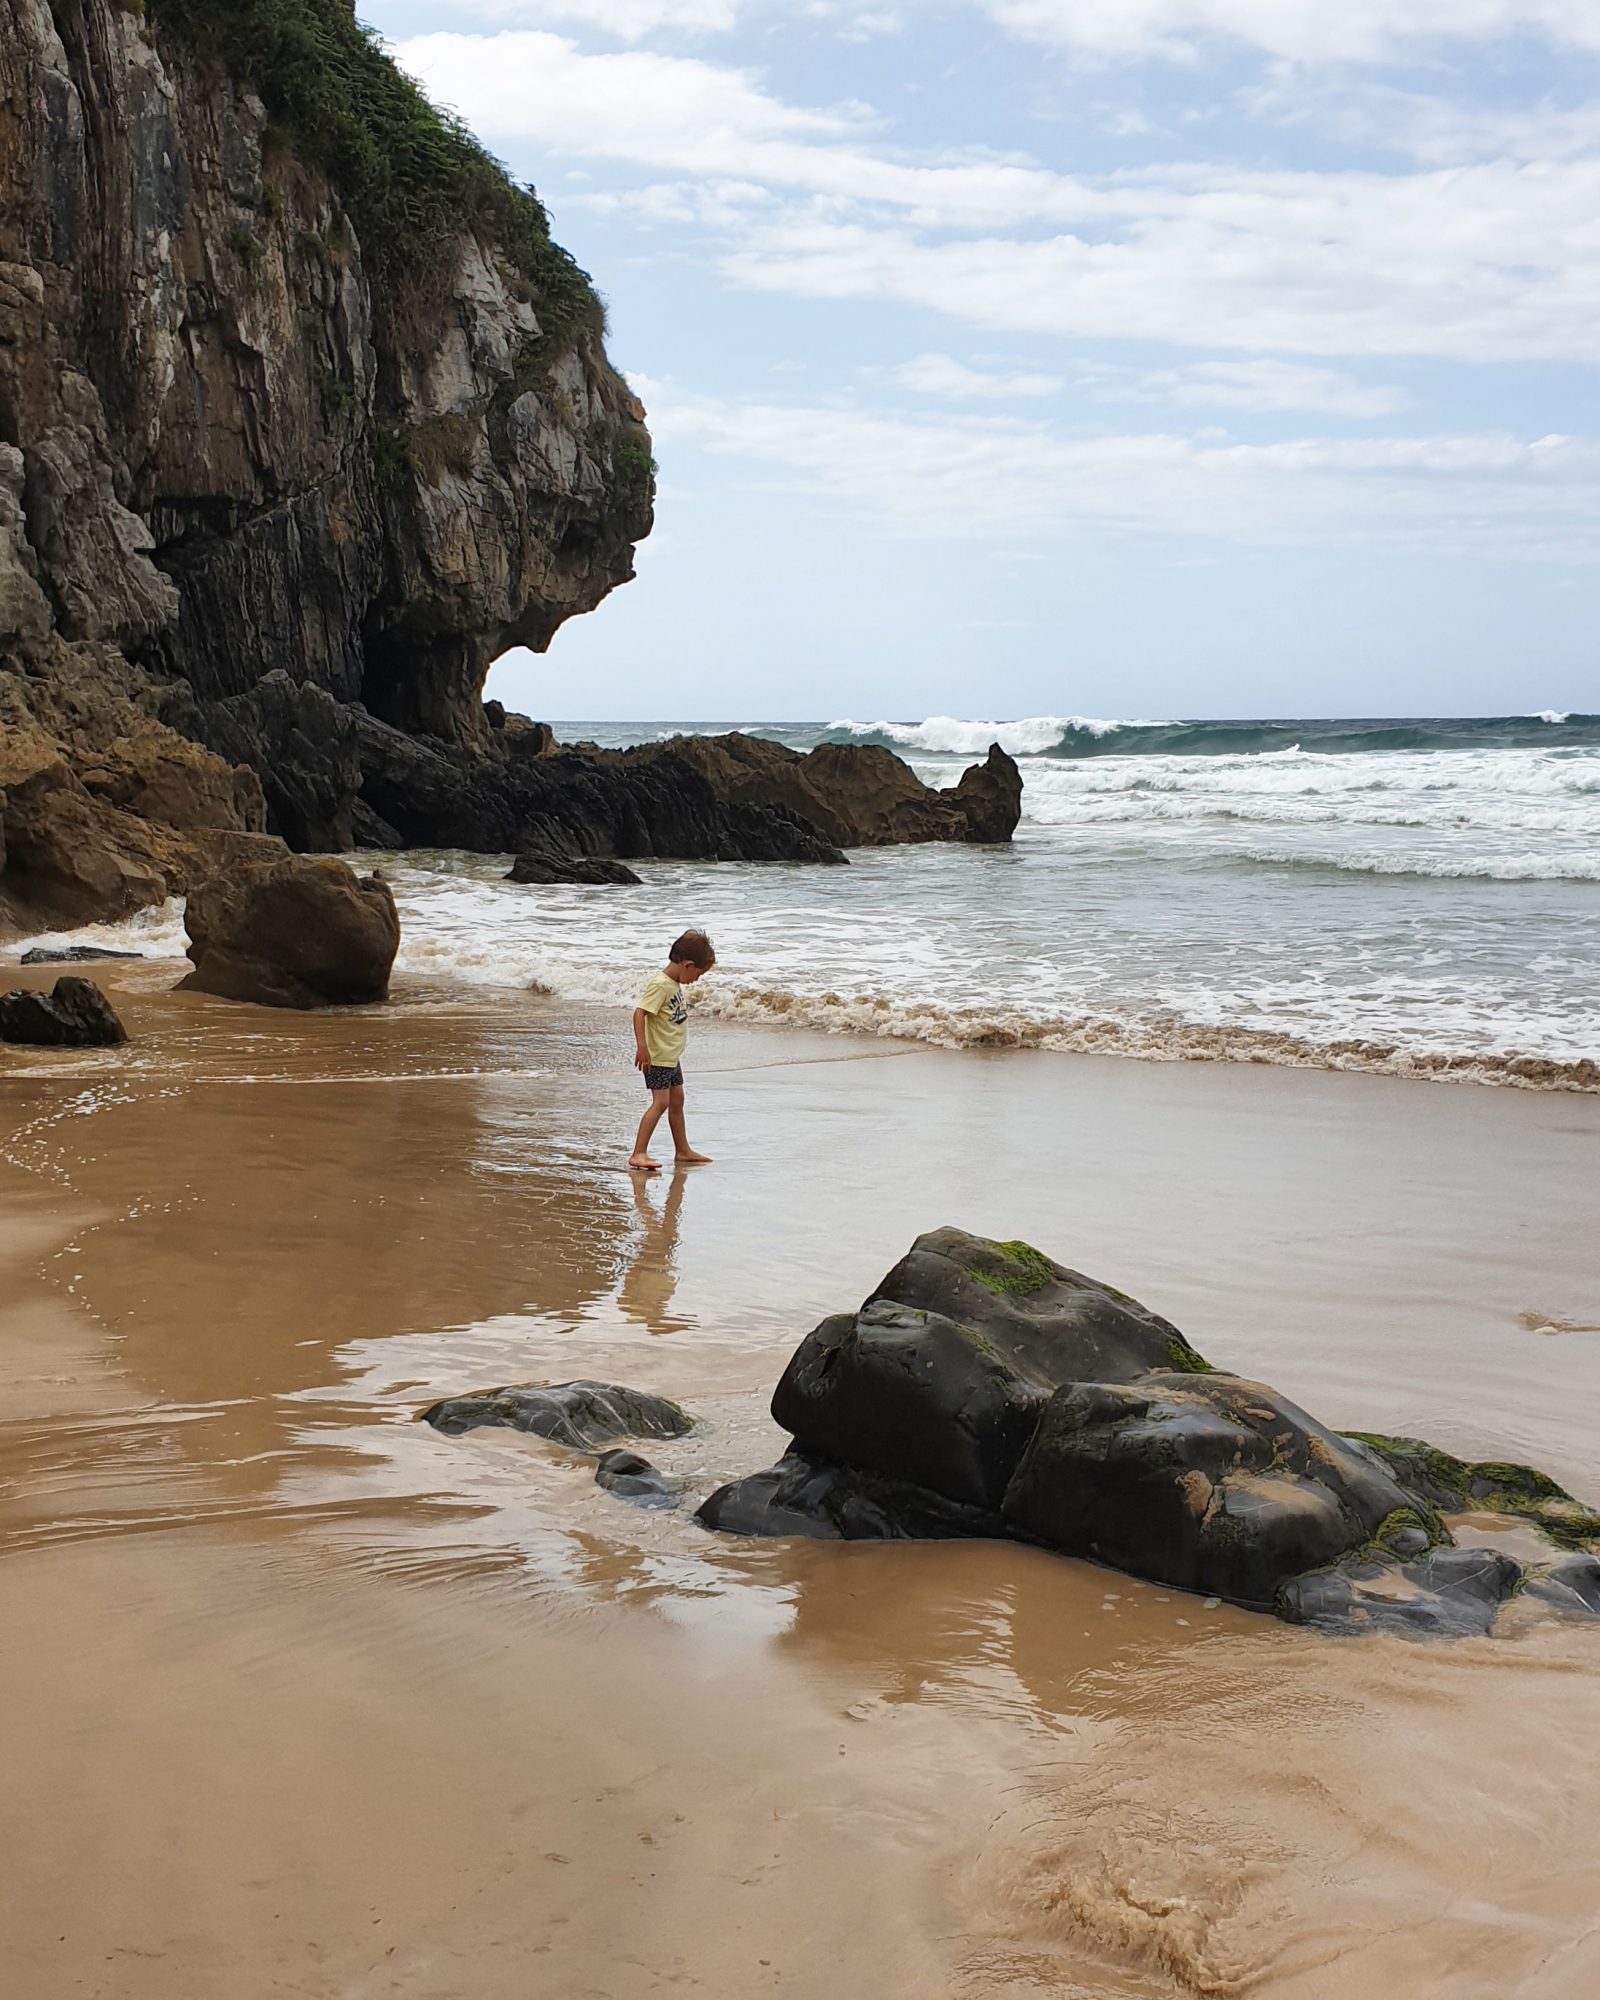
pixel 308 1699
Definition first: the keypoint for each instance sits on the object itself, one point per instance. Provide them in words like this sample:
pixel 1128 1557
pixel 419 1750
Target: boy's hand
pixel 641 1058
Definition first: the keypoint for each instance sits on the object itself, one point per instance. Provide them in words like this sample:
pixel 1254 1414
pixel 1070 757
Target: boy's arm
pixel 641 1054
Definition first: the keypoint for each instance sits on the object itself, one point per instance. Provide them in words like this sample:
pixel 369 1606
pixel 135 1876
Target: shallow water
pixel 309 1698
pixel 1427 906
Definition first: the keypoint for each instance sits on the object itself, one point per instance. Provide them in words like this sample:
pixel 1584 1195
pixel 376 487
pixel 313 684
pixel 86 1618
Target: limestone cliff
pixel 292 381
pixel 304 419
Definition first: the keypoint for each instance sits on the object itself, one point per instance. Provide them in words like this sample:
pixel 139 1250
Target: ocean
pixel 1420 896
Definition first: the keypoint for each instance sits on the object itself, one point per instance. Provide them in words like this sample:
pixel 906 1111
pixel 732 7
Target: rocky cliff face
pixel 303 421
pixel 234 440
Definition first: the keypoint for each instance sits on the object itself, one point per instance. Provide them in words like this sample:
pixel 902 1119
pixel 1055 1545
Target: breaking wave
pixel 1147 1041
pixel 1079 736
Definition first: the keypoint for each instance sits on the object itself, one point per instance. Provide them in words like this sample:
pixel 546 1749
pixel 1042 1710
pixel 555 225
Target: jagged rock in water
pixel 986 1390
pixel 634 1478
pixel 584 1415
pixel 72 954
pixel 294 932
pixel 854 794
pixel 74 1014
pixel 550 859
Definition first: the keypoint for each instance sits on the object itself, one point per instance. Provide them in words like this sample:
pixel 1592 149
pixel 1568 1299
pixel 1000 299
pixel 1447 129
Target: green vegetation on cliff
pixel 409 175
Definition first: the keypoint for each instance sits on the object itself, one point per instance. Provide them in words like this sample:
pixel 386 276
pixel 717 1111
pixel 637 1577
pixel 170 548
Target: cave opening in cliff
pixel 427 685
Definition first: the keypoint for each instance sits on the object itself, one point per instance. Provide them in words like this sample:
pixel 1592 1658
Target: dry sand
pixel 304 1699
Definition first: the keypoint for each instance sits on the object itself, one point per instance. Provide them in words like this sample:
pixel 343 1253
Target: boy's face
pixel 685 971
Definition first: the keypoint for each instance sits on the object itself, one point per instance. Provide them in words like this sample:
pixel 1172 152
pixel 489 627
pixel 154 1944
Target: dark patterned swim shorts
pixel 662 1079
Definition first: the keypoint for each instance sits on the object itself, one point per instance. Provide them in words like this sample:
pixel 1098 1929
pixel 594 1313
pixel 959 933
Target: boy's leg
pixel 640 1156
pixel 680 1138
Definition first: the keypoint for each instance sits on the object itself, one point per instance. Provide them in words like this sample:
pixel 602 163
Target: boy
pixel 660 1029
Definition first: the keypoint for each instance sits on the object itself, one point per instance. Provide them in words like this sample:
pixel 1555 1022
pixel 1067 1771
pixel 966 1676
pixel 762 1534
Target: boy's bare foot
pixel 641 1163
pixel 693 1159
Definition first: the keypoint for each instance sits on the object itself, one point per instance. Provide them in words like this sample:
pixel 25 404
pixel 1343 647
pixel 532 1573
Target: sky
pixel 1118 358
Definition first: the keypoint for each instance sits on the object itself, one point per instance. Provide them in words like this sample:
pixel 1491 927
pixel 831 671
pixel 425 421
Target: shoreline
pixel 876 1015
pixel 309 1695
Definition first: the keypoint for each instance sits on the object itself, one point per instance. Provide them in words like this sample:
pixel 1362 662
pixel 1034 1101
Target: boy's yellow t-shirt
pixel 666 1021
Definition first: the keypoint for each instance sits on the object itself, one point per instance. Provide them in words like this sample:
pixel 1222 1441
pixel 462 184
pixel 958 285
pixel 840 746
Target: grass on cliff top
pixel 409 174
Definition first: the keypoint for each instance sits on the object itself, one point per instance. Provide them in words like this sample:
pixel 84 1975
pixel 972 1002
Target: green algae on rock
pixel 1490 1486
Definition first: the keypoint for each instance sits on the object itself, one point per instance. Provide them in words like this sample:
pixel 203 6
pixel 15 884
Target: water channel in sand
pixel 304 1698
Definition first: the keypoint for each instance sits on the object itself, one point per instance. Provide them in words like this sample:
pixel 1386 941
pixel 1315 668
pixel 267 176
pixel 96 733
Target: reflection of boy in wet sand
pixel 651 1279
pixel 660 1029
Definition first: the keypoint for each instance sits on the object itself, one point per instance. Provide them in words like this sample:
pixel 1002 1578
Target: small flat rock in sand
pixel 72 954
pixel 583 1415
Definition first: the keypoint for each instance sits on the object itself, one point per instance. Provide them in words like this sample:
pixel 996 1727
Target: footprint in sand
pixel 1542 1322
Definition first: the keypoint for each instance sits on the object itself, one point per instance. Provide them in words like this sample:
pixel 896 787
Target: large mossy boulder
pixel 986 1390
pixel 942 1375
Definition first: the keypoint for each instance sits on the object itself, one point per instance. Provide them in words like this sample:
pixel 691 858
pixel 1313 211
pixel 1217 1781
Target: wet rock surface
pixel 822 1500
pixel 294 932
pixel 72 954
pixel 631 1477
pixel 986 1390
pixel 1452 1593
pixel 74 1014
pixel 552 860
pixel 583 1415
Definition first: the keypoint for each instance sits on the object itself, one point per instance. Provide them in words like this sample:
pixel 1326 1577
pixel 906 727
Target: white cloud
pixel 1436 130
pixel 942 375
pixel 972 478
pixel 1262 386
pixel 1474 264
pixel 633 105
pixel 1292 30
pixel 1488 262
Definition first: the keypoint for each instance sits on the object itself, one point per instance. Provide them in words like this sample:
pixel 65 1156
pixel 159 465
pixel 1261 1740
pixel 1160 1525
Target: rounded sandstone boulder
pixel 294 932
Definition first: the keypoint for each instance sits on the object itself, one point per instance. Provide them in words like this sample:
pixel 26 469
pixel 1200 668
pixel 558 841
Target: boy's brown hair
pixel 693 948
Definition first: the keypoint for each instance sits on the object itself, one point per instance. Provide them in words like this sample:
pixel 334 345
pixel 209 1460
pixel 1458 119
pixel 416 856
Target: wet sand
pixel 306 1699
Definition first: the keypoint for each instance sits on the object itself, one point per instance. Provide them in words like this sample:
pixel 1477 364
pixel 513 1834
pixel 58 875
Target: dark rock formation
pixel 1572 1584
pixel 1449 1593
pixel 942 1376
pixel 609 805
pixel 854 794
pixel 986 1390
pixel 819 1498
pixel 292 933
pixel 72 954
pixel 634 1478
pixel 1205 1481
pixel 75 1014
pixel 584 1415
pixel 553 861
